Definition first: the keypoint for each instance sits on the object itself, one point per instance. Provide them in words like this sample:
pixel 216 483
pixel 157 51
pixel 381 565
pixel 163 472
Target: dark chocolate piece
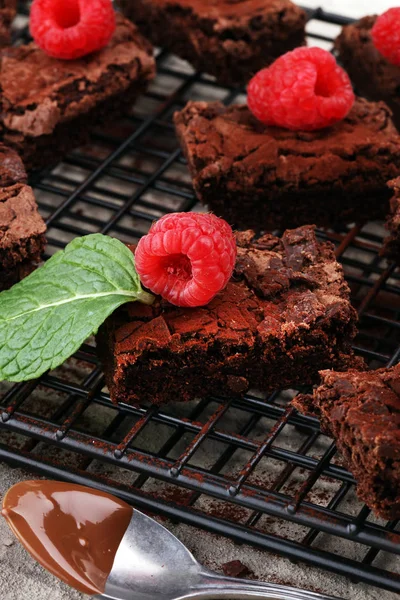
pixel 391 246
pixel 271 178
pixel 373 75
pixel 361 411
pixel 231 39
pixel 49 105
pixel 284 315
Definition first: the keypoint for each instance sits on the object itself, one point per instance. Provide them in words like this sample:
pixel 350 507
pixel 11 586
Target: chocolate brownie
pixel 372 74
pixel 361 410
pixel 8 10
pixel 391 246
pixel 261 177
pixel 48 105
pixel 22 229
pixel 231 39
pixel 284 315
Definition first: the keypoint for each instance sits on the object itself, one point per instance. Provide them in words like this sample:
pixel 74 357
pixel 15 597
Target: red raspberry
pixel 70 29
pixel 187 258
pixel 386 35
pixel 304 89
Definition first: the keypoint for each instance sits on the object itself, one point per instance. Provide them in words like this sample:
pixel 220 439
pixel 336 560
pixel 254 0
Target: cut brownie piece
pixel 361 410
pixel 284 314
pixel 231 39
pixel 267 177
pixel 373 75
pixel 22 229
pixel 48 105
pixel 391 246
pixel 8 10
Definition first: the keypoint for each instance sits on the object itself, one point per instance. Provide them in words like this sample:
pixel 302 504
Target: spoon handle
pixel 215 586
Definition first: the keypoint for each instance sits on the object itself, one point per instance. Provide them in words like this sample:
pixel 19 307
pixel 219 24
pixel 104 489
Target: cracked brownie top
pixel 39 91
pixel 228 142
pixel 280 285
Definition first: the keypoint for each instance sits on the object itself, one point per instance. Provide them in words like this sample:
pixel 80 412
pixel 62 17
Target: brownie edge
pixel 231 40
pixel 8 10
pixel 284 315
pixel 372 74
pixel 361 411
pixel 22 230
pixel 391 245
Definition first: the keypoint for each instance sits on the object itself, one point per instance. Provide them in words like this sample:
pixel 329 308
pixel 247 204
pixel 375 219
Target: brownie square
pixel 49 105
pixel 391 246
pixel 231 39
pixel 261 177
pixel 8 10
pixel 372 74
pixel 22 229
pixel 284 315
pixel 361 410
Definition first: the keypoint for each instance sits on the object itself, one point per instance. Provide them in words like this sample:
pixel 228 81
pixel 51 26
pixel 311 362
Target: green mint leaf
pixel 46 317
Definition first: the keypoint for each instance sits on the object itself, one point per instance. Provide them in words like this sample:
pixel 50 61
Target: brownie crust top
pixel 280 286
pixel 365 401
pixel 39 91
pixel 235 10
pixel 218 140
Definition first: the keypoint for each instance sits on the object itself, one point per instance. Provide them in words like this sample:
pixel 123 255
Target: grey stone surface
pixel 21 578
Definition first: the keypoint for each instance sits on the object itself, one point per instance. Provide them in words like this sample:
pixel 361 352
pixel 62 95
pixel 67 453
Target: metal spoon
pixel 152 564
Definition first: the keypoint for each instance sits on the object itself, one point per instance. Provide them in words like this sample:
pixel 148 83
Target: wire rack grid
pixel 252 469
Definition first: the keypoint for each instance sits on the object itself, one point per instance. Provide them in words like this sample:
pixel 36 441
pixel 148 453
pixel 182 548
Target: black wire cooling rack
pixel 253 469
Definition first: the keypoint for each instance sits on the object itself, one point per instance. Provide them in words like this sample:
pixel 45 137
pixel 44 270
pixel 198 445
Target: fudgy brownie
pixel 22 229
pixel 231 39
pixel 361 410
pixel 284 315
pixel 372 74
pixel 48 105
pixel 391 246
pixel 8 10
pixel 261 177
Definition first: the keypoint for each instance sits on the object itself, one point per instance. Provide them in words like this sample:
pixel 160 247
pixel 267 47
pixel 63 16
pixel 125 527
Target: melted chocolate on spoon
pixel 73 531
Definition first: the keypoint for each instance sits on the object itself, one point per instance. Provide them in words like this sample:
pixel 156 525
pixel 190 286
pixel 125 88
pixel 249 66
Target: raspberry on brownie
pixel 265 177
pixel 22 229
pixel 187 258
pixel 303 90
pixel 8 10
pixel 391 246
pixel 284 315
pixel 72 29
pixel 360 410
pixel 49 104
pixel 373 75
pixel 231 39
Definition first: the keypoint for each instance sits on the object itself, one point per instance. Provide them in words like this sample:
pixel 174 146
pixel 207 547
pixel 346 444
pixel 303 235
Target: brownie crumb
pixel 235 568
